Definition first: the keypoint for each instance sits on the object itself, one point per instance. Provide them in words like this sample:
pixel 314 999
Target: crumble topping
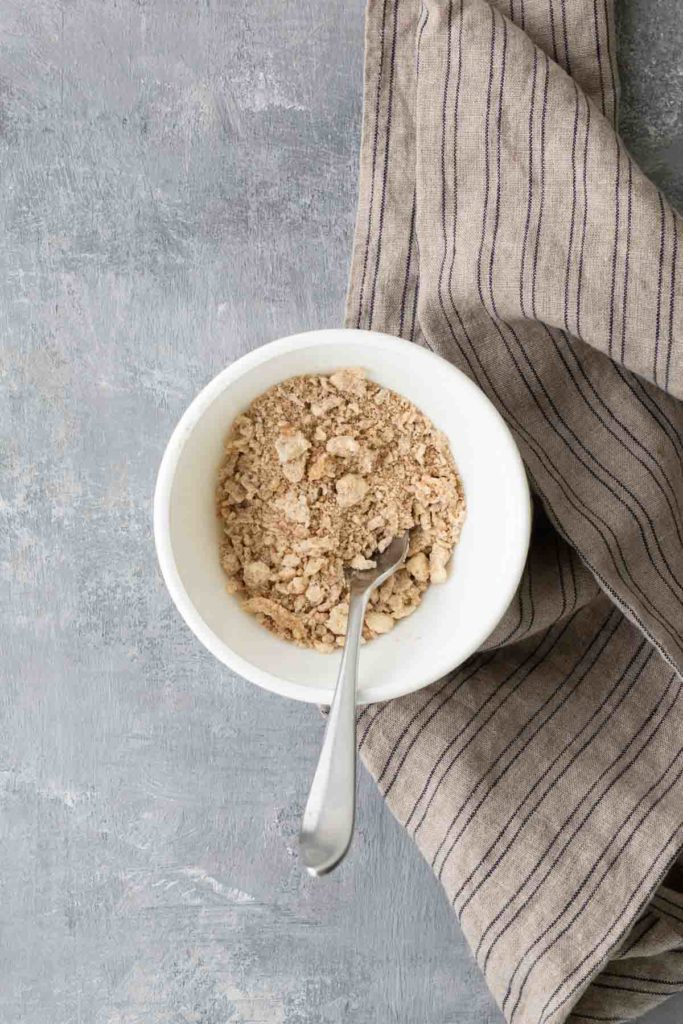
pixel 321 473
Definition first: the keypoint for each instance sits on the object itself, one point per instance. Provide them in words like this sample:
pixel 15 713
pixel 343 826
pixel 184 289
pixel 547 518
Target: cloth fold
pixel 503 224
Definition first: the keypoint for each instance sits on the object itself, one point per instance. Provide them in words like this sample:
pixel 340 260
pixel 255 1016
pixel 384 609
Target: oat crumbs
pixel 320 473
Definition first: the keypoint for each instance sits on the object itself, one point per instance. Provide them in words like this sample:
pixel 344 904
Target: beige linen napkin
pixel 503 224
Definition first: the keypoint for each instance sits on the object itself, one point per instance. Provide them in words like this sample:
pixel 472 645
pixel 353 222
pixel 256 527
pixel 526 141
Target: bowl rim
pixel 353 337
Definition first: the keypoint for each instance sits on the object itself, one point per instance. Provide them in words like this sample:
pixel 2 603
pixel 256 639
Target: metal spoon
pixel 327 824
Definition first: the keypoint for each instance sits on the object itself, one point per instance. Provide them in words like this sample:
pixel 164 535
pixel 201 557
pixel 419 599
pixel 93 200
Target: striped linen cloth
pixel 503 224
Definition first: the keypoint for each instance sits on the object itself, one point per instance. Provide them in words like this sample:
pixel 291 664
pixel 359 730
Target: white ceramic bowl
pixel 454 618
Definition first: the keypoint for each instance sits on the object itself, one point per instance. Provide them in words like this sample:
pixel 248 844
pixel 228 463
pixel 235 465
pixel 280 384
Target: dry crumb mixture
pixel 320 473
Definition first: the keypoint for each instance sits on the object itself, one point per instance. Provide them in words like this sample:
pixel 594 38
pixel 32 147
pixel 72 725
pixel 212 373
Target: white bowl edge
pixel 162 511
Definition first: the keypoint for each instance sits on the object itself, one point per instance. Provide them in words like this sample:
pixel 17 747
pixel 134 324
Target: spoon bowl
pixel 388 562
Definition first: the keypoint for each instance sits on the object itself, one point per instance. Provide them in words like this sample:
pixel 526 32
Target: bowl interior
pixel 453 619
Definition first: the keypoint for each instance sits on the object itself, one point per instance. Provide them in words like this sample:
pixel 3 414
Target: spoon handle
pixel 327 824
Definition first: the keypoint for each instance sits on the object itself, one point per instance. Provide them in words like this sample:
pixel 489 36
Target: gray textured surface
pixel 179 186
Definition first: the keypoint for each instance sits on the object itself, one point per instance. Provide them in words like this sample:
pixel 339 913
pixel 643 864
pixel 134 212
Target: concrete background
pixel 178 186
